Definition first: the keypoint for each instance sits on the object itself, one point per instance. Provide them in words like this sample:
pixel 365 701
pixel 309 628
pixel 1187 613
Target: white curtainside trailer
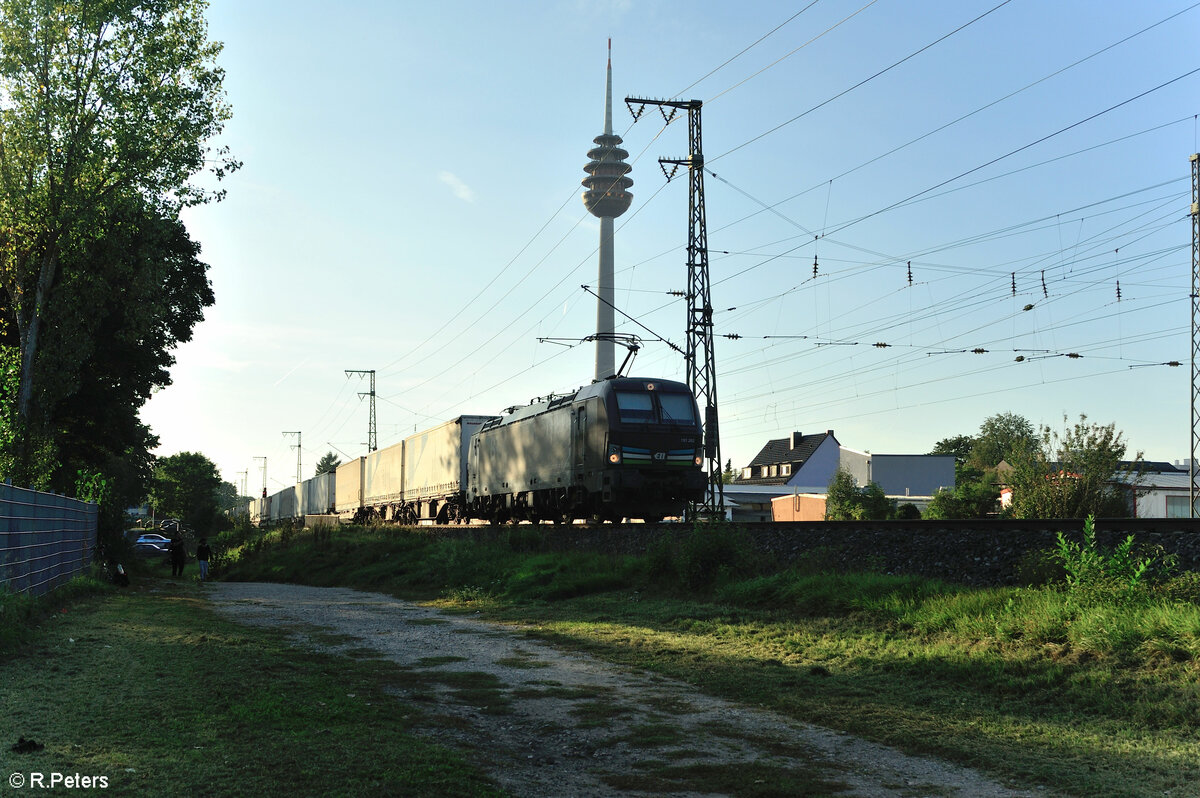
pixel 283 504
pixel 383 478
pixel 435 461
pixel 317 495
pixel 348 495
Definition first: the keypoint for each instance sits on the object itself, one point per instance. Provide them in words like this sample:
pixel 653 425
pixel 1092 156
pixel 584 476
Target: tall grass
pixel 1125 603
pixel 21 613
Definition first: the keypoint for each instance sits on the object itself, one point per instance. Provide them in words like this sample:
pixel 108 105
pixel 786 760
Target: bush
pixel 845 501
pixel 1094 573
pixel 710 555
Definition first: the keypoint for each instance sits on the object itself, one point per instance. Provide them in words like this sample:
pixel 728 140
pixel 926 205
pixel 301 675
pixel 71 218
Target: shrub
pixel 711 554
pixel 1096 573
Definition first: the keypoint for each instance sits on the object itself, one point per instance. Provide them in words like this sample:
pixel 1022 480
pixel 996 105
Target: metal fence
pixel 45 539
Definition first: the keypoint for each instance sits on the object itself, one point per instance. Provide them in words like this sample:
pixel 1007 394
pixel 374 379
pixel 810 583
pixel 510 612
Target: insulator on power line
pixel 910 274
pixel 1118 290
pixel 732 336
pixel 1045 293
pixel 1014 283
pixel 676 293
pixel 1020 359
pixel 1173 363
pixel 979 350
pixel 1074 355
pixel 1027 307
pixel 881 345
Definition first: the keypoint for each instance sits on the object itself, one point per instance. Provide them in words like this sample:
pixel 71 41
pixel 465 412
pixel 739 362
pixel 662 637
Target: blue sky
pixel 410 204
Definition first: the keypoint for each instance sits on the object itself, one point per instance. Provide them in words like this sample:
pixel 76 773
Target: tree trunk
pixel 30 332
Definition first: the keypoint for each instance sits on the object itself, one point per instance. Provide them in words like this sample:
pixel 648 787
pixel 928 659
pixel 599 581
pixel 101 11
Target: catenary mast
pixel 606 197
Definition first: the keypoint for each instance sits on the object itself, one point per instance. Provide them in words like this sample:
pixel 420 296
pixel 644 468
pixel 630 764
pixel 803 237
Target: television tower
pixel 606 197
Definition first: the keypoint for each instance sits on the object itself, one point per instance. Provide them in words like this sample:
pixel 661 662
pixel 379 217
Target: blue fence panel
pixel 45 539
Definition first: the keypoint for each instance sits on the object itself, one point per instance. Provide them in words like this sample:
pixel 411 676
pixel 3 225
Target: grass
pixel 161 696
pixel 1083 694
pixel 21 614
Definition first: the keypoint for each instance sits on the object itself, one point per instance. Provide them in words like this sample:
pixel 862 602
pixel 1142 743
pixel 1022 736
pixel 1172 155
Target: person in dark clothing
pixel 178 556
pixel 203 552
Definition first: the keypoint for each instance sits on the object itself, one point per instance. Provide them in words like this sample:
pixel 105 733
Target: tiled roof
pixel 761 481
pixel 781 450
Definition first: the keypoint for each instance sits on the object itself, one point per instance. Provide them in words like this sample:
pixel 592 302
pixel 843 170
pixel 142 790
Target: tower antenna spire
pixel 606 196
pixel 608 94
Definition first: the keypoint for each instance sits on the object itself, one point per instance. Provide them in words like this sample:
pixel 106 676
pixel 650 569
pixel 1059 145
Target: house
pixel 901 476
pixel 798 461
pixel 793 474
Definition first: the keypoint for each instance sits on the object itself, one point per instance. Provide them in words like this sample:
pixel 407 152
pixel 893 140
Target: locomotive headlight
pixel 614 454
pixel 697 459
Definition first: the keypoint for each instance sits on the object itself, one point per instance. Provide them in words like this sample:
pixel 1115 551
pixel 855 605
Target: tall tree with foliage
pixel 1071 474
pixel 960 446
pixel 101 104
pixel 1001 437
pixel 119 309
pixel 187 486
pixel 328 463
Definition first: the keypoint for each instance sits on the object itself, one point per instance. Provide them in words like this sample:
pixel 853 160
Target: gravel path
pixel 545 722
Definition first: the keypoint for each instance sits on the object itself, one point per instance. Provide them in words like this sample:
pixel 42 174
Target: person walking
pixel 203 552
pixel 178 555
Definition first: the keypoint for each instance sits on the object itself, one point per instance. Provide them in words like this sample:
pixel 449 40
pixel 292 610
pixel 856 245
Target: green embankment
pixel 1086 688
pixel 1090 689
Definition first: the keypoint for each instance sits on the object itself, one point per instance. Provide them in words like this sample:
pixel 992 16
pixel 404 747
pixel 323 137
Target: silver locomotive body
pixel 623 447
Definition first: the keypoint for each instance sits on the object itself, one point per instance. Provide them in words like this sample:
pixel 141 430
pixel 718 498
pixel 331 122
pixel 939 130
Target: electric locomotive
pixel 621 447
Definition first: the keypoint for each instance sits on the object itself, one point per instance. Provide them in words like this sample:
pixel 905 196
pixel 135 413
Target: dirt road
pixel 546 722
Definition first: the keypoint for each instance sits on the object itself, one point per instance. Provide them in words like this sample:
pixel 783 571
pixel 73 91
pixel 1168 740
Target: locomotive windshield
pixel 670 408
pixel 677 408
pixel 636 408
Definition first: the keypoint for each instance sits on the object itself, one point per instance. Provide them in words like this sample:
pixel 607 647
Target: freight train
pixel 624 447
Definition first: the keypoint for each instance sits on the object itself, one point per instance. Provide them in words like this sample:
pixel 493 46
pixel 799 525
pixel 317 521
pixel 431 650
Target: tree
pixel 974 495
pixel 960 446
pixel 100 104
pixel 728 474
pixel 119 309
pixel 1001 437
pixel 1071 474
pixel 845 501
pixel 328 463
pixel 186 486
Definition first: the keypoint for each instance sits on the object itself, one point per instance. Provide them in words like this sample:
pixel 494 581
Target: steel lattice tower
pixel 371 432
pixel 1194 491
pixel 700 355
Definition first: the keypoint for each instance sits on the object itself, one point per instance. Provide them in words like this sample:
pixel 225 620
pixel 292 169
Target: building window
pixel 785 470
pixel 774 471
pixel 1177 507
pixel 746 473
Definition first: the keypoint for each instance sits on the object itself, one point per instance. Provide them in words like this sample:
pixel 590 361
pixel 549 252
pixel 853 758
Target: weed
pixel 1094 573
